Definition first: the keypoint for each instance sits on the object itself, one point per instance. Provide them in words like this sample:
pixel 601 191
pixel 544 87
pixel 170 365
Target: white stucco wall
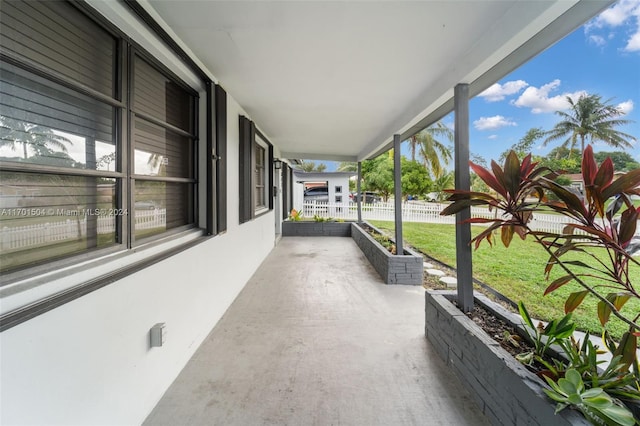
pixel 89 361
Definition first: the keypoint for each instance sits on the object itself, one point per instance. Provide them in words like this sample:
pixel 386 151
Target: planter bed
pixel 504 389
pixel 394 269
pixel 316 229
pixel 405 269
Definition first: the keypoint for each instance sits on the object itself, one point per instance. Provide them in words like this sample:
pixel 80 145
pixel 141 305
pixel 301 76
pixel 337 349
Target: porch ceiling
pixel 335 80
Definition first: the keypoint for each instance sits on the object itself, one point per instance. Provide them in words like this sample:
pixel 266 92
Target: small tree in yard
pixel 603 226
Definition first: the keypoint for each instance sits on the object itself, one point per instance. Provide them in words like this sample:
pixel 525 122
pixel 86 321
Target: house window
pixel 164 146
pixel 259 153
pixel 74 177
pixel 255 167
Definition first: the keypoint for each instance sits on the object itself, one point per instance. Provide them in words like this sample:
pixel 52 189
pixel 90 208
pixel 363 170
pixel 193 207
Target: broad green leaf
pixel 557 283
pixel 554 395
pixel 619 415
pixel 571 200
pixel 589 166
pixel 574 300
pixel 525 315
pixel 628 223
pixel 604 312
pixel 620 299
pixel 512 174
pixel 627 348
pixel 499 175
pixel 489 179
pixel 507 235
pixel 574 377
pixel 575 399
pixel 623 184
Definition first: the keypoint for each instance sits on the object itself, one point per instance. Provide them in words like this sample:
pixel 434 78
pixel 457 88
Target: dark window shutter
pixel 245 166
pixel 285 191
pixel 221 152
pixel 270 174
pixel 290 172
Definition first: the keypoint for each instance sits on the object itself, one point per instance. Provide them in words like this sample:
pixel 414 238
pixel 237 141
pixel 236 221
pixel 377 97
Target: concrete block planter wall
pixel 507 392
pixel 405 269
pixel 316 229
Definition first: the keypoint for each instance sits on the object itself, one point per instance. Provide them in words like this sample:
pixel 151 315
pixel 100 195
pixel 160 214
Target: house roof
pixel 335 80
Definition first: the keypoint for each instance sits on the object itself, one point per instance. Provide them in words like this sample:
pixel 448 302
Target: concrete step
pixel 435 272
pixel 450 282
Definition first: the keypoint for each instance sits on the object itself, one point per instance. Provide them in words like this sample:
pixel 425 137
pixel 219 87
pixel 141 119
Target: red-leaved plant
pixel 603 227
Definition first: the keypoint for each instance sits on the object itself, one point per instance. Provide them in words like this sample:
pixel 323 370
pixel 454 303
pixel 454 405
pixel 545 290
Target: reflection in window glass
pixel 161 152
pixel 161 206
pixel 45 123
pixel 51 216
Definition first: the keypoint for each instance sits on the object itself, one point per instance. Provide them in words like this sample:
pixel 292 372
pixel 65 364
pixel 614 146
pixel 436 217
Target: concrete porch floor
pixel 316 338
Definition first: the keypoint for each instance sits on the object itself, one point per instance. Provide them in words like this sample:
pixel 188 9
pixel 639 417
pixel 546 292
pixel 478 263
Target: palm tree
pixel 435 154
pixel 310 166
pixel 14 132
pixel 348 166
pixel 590 118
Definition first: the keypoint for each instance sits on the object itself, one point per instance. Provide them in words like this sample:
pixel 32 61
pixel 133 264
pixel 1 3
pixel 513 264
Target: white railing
pixel 53 231
pixel 422 212
pixel 411 212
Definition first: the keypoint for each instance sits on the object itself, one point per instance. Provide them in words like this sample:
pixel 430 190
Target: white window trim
pixel 23 293
pixel 265 161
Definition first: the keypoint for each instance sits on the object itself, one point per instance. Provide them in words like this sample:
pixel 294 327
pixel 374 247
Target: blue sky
pixel 601 57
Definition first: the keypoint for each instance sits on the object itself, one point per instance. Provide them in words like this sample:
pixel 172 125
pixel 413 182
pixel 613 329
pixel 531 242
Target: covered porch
pixel 317 338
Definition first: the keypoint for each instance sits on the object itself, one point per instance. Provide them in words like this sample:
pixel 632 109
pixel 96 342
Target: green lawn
pixel 516 272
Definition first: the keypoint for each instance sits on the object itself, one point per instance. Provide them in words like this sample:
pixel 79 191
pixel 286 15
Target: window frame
pixel 260 150
pixel 246 189
pixel 39 287
pixel 132 114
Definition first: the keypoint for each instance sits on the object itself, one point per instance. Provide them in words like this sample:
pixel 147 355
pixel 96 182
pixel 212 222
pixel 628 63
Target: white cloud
pixel 597 40
pixel 539 101
pixel 492 123
pixel 498 92
pixel 625 107
pixel 617 14
pixel 625 12
pixel 633 44
pixel 492 137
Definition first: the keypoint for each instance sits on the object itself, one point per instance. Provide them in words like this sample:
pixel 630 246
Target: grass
pixel 516 272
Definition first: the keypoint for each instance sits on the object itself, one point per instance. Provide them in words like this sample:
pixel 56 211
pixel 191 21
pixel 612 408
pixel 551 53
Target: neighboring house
pixel 336 184
pixel 576 181
pixel 222 95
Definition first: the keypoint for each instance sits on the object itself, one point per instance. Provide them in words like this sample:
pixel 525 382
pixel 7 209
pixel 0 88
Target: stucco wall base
pixel 316 229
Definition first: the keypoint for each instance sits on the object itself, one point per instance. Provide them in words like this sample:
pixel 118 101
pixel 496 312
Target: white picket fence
pixel 75 227
pixel 54 231
pixel 422 212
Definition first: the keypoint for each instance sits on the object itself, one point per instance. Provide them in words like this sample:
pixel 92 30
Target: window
pixel 259 154
pixel 73 177
pixel 256 177
pixel 164 148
